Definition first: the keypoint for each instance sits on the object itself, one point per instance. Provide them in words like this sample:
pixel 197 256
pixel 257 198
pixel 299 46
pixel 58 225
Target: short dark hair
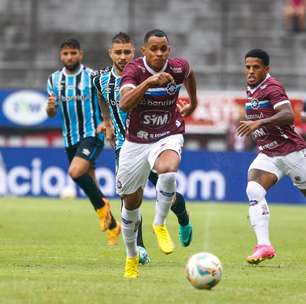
pixel 155 32
pixel 121 37
pixel 71 43
pixel 258 53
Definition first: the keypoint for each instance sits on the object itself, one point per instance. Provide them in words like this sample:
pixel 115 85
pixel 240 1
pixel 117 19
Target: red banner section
pixel 216 111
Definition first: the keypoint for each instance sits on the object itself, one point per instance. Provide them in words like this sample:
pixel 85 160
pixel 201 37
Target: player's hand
pixel 185 108
pixel 51 102
pixel 51 106
pixel 108 130
pixel 160 79
pixel 246 127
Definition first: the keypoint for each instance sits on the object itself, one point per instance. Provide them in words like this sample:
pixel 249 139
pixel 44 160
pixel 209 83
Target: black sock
pixel 179 209
pixel 139 235
pixel 113 223
pixel 88 185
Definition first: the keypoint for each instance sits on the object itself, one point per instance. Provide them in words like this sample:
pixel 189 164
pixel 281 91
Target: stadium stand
pixel 213 35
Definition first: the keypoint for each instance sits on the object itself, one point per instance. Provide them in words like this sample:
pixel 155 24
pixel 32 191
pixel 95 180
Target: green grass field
pixel 51 251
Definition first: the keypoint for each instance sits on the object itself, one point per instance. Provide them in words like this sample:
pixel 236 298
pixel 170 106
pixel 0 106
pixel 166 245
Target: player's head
pixel 71 54
pixel 256 66
pixel 122 51
pixel 156 49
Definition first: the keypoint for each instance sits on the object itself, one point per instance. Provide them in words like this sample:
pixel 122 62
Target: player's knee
pixel 75 172
pixel 133 201
pixel 255 191
pixel 167 181
pixel 165 168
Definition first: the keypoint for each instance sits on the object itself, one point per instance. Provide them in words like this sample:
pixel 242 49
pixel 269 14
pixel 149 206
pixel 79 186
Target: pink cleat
pixel 261 253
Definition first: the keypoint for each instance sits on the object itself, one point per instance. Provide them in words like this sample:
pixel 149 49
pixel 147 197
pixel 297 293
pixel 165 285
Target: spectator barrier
pixel 203 176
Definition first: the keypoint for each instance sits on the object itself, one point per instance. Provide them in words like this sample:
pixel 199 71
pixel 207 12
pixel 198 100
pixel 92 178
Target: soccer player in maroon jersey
pixel 281 151
pixel 149 91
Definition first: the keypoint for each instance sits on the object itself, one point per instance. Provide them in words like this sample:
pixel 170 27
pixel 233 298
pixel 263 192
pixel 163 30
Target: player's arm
pixel 131 96
pixel 51 108
pixel 106 126
pixel 283 116
pixel 191 87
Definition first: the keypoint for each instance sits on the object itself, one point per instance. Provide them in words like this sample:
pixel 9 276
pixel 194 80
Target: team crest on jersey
pixel 255 104
pixel 171 88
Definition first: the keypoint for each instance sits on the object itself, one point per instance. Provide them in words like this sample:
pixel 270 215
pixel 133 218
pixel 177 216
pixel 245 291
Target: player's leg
pixel 114 228
pixel 130 218
pixel 86 153
pixel 295 164
pixel 143 254
pixel 164 158
pixel 133 172
pixel 178 207
pixel 262 175
pixel 166 166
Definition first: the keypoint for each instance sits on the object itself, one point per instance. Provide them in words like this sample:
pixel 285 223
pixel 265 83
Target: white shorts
pixel 292 164
pixel 137 160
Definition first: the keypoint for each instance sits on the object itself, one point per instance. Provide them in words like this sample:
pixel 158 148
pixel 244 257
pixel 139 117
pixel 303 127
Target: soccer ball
pixel 204 270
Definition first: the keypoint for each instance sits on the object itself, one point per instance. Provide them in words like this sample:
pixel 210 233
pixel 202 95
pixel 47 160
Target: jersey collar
pixel 150 70
pixel 252 90
pixel 74 74
pixel 113 71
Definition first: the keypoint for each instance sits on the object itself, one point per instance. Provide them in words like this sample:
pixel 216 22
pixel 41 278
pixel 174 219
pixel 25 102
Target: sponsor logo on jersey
pixel 142 134
pixel 155 119
pixel 176 69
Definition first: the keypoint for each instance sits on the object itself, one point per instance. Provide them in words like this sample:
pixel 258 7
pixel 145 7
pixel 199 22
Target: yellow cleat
pixel 104 215
pixel 112 235
pixel 131 267
pixel 163 238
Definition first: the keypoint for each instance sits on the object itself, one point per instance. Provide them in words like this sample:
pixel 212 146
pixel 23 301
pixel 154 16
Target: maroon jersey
pixel 156 115
pixel 262 102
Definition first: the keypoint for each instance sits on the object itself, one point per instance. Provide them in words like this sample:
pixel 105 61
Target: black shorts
pixel 88 148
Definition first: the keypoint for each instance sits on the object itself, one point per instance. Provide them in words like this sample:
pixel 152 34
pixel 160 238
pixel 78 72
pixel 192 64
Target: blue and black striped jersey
pixel 108 85
pixel 78 103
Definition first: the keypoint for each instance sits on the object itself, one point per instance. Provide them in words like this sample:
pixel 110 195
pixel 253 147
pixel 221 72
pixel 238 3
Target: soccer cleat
pixel 185 234
pixel 261 253
pixel 112 235
pixel 143 255
pixel 163 238
pixel 131 267
pixel 104 215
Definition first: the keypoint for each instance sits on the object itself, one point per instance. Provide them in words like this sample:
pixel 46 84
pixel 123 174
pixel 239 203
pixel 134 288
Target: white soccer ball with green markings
pixel 204 270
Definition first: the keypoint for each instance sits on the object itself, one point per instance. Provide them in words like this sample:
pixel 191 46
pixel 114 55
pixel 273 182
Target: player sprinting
pixel 149 90
pixel 108 87
pixel 281 151
pixel 71 91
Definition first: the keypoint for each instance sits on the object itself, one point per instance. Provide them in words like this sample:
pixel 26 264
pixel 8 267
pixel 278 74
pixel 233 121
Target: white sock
pixel 130 220
pixel 259 212
pixel 165 191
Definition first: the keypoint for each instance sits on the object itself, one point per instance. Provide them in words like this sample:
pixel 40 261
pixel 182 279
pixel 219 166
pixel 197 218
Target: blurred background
pixel 213 35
